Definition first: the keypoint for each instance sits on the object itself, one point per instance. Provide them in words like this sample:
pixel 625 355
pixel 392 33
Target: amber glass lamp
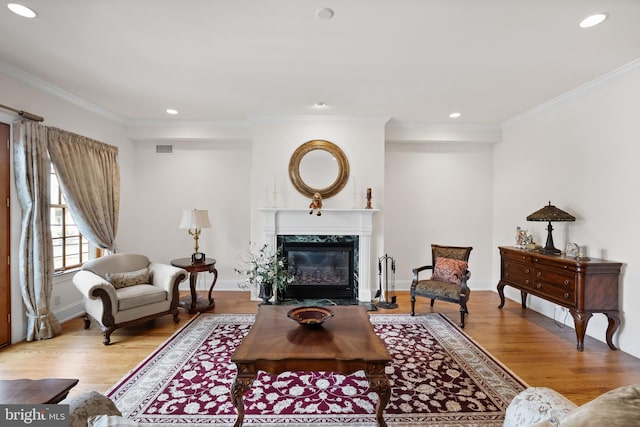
pixel 550 213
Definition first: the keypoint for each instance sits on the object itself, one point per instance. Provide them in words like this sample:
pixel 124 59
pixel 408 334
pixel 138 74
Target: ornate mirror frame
pixel 319 144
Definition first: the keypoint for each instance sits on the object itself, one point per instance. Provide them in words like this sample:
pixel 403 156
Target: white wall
pixel 439 193
pixel 212 175
pixel 581 154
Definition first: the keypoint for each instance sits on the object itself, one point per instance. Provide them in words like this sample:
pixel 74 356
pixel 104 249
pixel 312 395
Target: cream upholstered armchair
pixel 123 289
pixel 448 281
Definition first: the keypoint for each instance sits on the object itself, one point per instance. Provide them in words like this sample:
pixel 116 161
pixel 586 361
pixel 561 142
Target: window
pixel 70 249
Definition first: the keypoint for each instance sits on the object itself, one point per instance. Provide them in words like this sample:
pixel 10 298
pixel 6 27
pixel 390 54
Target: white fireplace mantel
pixel 332 222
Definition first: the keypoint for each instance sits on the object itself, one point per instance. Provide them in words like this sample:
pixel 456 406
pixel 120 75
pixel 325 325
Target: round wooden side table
pixel 193 303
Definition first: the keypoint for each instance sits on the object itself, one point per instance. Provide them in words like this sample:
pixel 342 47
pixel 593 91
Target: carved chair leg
pixel 106 333
pixel 176 317
pixel 463 311
pixel 87 321
pixel 413 305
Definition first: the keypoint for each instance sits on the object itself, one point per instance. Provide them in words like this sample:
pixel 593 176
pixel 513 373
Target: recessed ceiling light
pixel 21 10
pixel 324 13
pixel 593 20
pixel 172 111
pixel 455 115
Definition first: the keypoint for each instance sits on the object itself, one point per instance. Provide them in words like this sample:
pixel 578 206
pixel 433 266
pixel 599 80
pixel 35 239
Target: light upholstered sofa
pixel 123 289
pixel 534 407
pixel 544 407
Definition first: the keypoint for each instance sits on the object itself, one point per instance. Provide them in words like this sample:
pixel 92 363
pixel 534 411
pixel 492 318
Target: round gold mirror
pixel 318 166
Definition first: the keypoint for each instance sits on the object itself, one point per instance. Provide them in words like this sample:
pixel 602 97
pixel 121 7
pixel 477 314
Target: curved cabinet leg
pixel 580 319
pixel 523 298
pixel 501 293
pixel 614 323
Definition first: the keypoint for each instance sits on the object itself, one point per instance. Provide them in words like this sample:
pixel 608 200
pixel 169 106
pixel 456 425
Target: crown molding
pixel 437 133
pixel 379 120
pixel 158 130
pixel 573 93
pixel 44 86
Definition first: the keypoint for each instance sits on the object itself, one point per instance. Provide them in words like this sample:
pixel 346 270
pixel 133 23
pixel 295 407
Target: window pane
pixel 70 249
pixel 57 254
pixel 56 222
pixel 71 230
pixel 72 261
pixel 54 190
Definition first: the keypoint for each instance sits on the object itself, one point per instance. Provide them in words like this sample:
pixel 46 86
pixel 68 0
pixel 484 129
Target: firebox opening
pixel 321 270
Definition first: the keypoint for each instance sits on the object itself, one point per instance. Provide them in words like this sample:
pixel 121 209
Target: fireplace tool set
pixel 387 297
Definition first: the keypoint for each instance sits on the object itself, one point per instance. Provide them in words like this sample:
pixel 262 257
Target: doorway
pixel 5 237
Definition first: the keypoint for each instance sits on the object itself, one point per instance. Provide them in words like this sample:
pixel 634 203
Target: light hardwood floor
pixel 529 344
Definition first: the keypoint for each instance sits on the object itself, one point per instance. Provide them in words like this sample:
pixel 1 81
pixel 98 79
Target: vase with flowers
pixel 266 271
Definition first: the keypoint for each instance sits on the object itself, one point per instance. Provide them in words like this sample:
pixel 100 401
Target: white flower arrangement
pixel 263 267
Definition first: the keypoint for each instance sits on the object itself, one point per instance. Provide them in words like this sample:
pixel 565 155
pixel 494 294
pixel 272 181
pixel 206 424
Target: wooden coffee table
pixel 25 391
pixel 346 343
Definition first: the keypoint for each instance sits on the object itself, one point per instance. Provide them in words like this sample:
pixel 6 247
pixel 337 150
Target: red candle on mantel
pixel 368 198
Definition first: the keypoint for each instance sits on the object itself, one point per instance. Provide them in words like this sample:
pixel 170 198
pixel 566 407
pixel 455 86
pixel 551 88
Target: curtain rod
pixel 24 114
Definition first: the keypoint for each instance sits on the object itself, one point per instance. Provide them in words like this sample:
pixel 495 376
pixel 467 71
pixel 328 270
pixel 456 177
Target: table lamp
pixel 550 213
pixel 194 221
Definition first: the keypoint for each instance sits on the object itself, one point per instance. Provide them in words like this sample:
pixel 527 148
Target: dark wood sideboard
pixel 584 287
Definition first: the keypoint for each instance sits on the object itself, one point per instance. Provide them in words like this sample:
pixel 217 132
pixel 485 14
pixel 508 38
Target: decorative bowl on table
pixel 310 316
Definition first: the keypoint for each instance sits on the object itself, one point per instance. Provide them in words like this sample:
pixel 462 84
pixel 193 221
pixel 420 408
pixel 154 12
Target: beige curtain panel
pixel 35 259
pixel 89 176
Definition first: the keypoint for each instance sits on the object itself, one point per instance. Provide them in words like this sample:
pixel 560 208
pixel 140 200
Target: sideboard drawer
pixel 563 280
pixel 564 297
pixel 517 272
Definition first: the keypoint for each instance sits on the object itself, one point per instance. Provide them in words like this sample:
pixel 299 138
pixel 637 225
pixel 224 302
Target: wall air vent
pixel 164 149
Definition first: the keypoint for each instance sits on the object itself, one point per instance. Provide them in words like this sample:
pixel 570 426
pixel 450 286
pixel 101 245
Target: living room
pixel 466 184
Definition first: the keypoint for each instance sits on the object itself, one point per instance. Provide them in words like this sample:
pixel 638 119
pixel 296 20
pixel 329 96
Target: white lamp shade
pixel 195 219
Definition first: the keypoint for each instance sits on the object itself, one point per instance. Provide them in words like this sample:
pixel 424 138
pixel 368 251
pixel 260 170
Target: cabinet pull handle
pixel 539 274
pixel 526 282
pixel 566 282
pixel 566 295
pixel 527 271
pixel 538 286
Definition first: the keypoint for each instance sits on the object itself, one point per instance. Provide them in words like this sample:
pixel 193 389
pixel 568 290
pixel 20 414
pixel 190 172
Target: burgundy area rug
pixel 438 377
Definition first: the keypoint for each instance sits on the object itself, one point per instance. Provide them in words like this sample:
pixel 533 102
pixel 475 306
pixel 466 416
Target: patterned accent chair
pixel 123 289
pixel 448 281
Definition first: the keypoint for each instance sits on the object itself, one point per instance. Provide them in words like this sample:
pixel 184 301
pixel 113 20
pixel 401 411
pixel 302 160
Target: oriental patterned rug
pixel 438 377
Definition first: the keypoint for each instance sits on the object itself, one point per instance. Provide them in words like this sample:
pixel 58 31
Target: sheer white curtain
pixel 35 259
pixel 89 176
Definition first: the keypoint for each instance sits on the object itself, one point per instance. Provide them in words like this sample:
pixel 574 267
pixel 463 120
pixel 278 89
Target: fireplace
pixel 323 267
pixel 339 225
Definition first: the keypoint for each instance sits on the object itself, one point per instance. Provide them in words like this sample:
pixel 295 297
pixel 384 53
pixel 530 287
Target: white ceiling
pixel 414 61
